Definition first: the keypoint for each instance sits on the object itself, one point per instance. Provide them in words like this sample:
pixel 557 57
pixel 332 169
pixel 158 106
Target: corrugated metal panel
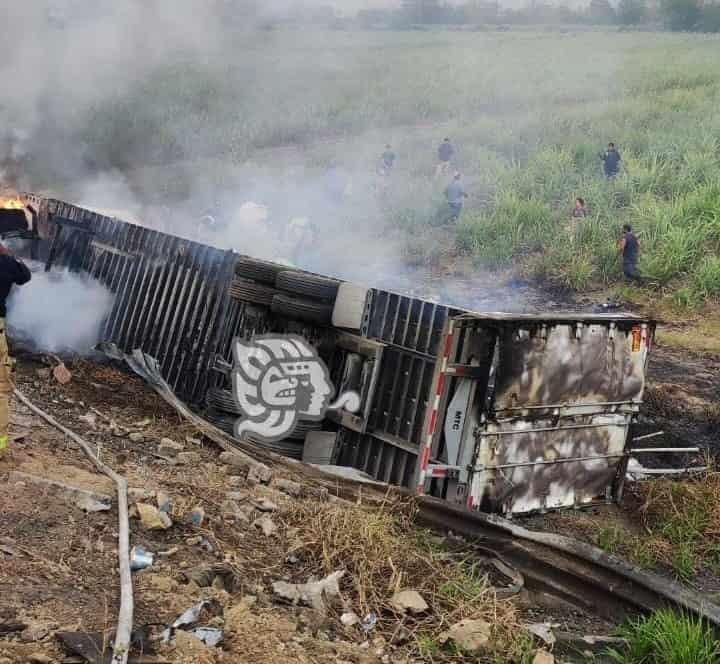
pixel 171 296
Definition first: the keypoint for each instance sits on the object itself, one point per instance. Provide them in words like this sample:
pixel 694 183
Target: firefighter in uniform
pixel 12 271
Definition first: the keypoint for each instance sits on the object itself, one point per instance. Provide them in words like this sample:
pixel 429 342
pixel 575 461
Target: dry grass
pixel 682 523
pixel 384 552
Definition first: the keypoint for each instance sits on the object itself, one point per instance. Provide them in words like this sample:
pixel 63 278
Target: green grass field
pixel 529 111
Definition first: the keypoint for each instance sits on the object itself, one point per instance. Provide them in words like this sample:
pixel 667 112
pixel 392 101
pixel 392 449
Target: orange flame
pixel 11 204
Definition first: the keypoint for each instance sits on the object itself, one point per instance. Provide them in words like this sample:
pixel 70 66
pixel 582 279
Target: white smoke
pixel 58 311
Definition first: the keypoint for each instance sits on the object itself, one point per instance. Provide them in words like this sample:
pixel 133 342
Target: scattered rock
pixel 90 419
pixel 312 593
pixel 409 601
pixel 193 541
pixel 259 474
pixel 170 552
pixel 85 500
pixel 35 631
pixel 231 510
pixel 319 493
pixel 349 619
pixel 152 518
pixel 543 657
pixel 61 374
pixel 143 423
pixel 139 495
pixel 218 583
pixel 233 459
pixel 43 373
pixel 202 575
pixel 170 448
pixel 164 502
pixel 289 487
pixel 267 525
pixel 236 480
pixel 235 495
pixel 542 631
pixel 468 635
pixel 193 441
pixel 401 635
pixel 196 516
pixel 136 437
pixel 119 432
pixel 39 658
pixel 161 583
pixel 188 458
pixel 266 505
pixel 189 648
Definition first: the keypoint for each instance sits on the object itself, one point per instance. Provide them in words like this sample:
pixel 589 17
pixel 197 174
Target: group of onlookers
pixel 455 195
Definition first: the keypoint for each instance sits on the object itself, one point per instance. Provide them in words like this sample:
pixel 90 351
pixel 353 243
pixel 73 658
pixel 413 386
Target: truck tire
pixel 222 400
pixel 222 421
pixel 249 291
pixel 302 428
pixel 307 285
pixel 257 270
pixel 307 310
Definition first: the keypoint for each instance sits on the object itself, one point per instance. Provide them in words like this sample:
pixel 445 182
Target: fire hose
pixel 121 648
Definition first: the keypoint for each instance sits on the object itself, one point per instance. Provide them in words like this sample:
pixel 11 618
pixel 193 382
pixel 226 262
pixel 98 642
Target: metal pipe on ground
pixel 121 648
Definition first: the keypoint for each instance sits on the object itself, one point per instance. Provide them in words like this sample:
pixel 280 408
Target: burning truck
pixel 505 413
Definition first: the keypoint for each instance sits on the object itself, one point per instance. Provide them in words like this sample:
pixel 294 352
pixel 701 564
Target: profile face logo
pixel 278 380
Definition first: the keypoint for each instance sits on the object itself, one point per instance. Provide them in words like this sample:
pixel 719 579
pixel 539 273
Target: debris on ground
pixel 152 518
pixel 169 448
pixel 280 572
pixel 409 601
pixel 85 500
pixel 266 525
pixel 61 373
pixel 469 635
pixel 543 657
pixel 140 558
pixel 316 594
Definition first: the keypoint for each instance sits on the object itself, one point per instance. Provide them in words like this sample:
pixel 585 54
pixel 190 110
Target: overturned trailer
pixel 499 412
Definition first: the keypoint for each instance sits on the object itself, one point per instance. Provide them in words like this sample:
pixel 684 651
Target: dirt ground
pixel 58 563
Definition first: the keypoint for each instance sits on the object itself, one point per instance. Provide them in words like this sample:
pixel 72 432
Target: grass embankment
pixel 382 553
pixel 528 111
pixel 668 638
pixel 678 529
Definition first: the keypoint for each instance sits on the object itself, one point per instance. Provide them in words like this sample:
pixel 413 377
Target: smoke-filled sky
pixel 107 98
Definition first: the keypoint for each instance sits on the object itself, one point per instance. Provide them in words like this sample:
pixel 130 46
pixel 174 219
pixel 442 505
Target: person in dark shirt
pixel 611 161
pixel 579 211
pixel 455 195
pixel 629 249
pixel 445 155
pixel 387 161
pixel 12 271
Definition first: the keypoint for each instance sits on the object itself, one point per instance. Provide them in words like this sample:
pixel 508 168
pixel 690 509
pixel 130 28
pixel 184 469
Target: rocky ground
pixel 277 567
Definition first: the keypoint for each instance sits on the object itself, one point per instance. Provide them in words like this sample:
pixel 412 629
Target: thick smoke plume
pixel 58 312
pixel 175 114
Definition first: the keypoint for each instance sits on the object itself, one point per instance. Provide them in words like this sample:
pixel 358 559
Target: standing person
pixel 579 211
pixel 12 271
pixel 455 194
pixel 387 161
pixel 445 155
pixel 611 161
pixel 629 249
